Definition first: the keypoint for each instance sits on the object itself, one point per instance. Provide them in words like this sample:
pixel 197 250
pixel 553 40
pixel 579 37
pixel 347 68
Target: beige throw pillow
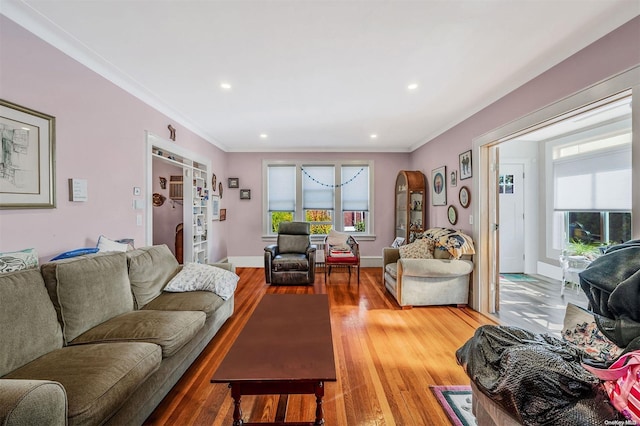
pixel 420 249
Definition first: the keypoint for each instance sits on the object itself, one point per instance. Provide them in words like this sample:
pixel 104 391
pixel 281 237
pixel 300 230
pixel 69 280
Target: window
pixel 329 196
pixel 355 198
pixel 282 195
pixel 591 177
pixel 318 189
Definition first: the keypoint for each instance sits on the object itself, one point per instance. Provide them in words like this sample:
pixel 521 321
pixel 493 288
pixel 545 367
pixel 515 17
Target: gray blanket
pixel 536 378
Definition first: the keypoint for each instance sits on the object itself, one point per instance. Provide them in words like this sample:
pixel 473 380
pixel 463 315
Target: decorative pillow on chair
pixel 338 240
pixel 198 276
pixel 420 249
pixel 18 260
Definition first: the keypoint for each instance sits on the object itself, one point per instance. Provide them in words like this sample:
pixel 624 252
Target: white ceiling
pixel 320 75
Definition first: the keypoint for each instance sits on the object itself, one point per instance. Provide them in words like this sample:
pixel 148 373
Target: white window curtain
pixel 597 182
pixel 355 188
pixel 318 186
pixel 282 188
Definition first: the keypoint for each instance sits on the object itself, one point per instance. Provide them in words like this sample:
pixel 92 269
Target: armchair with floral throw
pixel 435 269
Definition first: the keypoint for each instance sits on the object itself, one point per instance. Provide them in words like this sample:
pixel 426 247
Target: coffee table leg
pixel 319 411
pixel 237 411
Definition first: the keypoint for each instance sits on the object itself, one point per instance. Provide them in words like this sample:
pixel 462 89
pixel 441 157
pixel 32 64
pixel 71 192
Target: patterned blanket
pixel 455 242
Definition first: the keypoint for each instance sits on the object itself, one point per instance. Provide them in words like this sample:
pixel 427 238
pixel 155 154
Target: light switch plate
pixel 137 191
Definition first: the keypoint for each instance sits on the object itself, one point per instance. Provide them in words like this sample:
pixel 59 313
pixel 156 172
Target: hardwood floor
pixel 534 303
pixel 386 359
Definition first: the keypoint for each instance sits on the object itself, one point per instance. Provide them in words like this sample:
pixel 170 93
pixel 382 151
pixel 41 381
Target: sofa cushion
pixel 392 269
pixel 150 269
pixel 88 290
pixel 432 268
pixel 290 262
pixel 292 243
pixel 171 330
pixel 29 324
pixel 98 378
pixel 203 301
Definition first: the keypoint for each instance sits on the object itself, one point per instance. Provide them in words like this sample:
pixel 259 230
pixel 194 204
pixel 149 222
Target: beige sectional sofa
pixel 94 340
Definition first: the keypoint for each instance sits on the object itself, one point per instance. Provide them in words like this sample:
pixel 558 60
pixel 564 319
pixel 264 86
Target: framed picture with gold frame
pixel 27 171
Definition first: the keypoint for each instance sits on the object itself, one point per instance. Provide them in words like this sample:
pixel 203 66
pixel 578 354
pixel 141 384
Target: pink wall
pixel 612 54
pixel 100 136
pixel 244 217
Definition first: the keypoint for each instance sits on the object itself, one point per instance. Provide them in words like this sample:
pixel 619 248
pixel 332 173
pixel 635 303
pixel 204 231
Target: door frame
pixel 190 158
pixel 485 185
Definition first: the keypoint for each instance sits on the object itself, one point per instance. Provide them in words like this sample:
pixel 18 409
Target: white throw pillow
pixel 105 244
pixel 338 239
pixel 198 276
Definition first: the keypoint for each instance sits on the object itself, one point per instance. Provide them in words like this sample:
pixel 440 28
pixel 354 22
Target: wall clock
pixel 464 196
pixel 452 215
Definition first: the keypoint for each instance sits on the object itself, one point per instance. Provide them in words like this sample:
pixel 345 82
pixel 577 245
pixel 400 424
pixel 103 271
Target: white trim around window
pixel 365 203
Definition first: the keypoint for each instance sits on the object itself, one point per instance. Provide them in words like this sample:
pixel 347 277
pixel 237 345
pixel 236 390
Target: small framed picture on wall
pixel 439 186
pixel 465 165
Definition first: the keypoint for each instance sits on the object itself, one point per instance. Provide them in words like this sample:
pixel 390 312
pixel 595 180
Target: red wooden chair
pixel 341 256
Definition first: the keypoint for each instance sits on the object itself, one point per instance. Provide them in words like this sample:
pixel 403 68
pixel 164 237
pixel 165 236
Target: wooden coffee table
pixel 285 348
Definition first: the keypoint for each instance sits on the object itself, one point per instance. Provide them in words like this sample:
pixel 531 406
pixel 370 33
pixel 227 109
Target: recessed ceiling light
pixel 374 136
pixel 412 86
pixel 225 86
pixel 263 135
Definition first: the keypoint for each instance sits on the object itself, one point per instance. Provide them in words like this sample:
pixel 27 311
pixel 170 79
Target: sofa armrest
pixel 389 255
pixel 32 402
pixel 430 268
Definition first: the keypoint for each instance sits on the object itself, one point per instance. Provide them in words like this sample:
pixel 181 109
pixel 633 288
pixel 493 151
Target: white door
pixel 511 194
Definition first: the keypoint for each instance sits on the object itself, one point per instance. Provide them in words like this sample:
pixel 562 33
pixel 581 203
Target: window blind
pixel 355 188
pixel 600 181
pixel 318 187
pixel 282 188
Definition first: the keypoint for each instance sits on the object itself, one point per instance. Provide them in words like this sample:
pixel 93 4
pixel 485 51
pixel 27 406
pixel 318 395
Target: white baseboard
pixel 550 271
pixel 258 261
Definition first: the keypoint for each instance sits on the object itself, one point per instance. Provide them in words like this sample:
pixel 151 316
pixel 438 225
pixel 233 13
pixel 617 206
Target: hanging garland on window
pixel 331 185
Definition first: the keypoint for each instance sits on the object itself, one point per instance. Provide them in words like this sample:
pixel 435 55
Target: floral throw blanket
pixel 455 242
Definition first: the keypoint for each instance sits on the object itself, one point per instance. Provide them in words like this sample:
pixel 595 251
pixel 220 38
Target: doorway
pixel 188 193
pixel 168 205
pixel 538 128
pixel 511 195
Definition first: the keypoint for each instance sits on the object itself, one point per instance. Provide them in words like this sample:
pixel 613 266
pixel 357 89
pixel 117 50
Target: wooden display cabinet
pixel 410 204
